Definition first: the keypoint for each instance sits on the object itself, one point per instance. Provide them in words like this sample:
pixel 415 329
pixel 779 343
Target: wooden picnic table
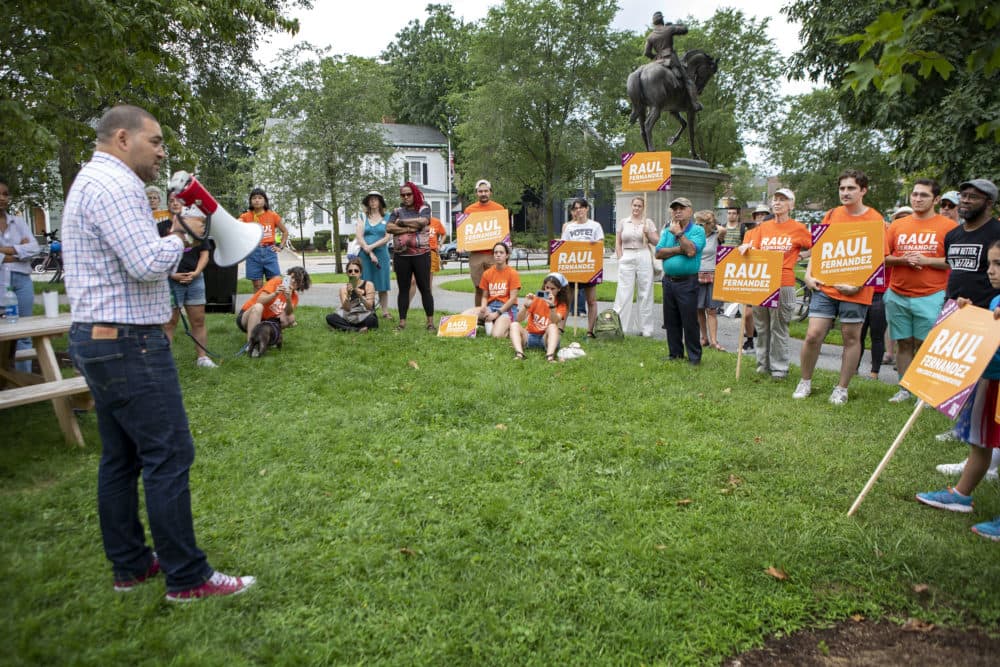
pixel 19 388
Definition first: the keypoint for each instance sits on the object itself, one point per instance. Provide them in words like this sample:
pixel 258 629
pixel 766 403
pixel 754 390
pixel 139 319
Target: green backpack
pixel 609 326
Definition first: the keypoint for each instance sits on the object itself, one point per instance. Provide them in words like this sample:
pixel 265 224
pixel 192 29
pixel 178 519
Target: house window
pixel 416 170
pixel 436 209
pixel 317 215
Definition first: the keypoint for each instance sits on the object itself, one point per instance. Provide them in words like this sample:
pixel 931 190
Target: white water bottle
pixel 10 306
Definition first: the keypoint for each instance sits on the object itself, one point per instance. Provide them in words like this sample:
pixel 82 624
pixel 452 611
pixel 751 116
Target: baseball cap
pixel 682 201
pixel 952 196
pixel 786 193
pixel 981 184
pixel 761 209
pixel 481 182
pixel 902 210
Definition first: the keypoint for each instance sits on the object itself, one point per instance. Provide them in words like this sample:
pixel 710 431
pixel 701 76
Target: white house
pixel 421 154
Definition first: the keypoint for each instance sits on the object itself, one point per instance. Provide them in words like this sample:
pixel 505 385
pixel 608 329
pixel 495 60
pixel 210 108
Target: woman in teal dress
pixel 373 242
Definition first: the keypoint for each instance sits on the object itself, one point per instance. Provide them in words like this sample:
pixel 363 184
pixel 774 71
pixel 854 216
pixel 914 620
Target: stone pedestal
pixel 688 178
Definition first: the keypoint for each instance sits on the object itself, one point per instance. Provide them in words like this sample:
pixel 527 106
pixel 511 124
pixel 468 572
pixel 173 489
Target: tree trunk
pixel 68 168
pixel 335 220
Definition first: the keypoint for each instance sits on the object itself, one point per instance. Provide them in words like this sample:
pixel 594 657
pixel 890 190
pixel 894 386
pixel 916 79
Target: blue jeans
pixel 144 428
pixel 680 317
pixel 20 283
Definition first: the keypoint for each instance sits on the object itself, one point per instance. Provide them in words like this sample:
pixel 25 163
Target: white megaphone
pixel 234 240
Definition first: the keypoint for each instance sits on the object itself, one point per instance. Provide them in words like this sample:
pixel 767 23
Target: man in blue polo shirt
pixel 680 249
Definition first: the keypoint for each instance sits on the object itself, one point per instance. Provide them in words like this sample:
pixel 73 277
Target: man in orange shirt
pixel 480 260
pixel 919 274
pixel 829 302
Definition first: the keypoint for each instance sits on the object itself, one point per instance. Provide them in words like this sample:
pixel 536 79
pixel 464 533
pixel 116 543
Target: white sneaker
pixel 838 396
pixel 803 389
pixel 900 396
pixel 205 362
pixel 957 468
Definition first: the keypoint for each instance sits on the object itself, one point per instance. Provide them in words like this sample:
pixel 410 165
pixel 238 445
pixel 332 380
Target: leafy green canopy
pixel 62 63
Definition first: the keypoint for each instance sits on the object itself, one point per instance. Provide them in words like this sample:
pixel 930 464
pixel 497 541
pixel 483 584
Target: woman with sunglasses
pixel 409 226
pixel 357 303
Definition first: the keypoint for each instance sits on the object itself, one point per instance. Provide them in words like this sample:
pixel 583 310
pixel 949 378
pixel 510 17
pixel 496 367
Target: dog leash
pixel 187 329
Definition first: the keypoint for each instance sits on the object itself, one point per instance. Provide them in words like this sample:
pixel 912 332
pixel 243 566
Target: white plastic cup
pixel 51 301
pixel 489 328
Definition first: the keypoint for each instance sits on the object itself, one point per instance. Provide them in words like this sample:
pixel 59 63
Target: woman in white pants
pixel 635 270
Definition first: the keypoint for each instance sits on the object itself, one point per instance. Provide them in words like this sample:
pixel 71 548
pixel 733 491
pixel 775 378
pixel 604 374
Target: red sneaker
pixel 219 584
pixel 130 584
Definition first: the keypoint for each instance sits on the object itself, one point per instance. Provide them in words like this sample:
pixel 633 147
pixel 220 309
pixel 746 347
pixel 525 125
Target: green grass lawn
pixel 405 499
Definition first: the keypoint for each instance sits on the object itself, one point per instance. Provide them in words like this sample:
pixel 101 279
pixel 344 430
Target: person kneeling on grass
pixel 500 284
pixel 976 426
pixel 541 321
pixel 276 300
pixel 357 303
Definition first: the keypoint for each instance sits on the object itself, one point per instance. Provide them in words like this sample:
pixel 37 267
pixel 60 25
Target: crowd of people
pixel 126 280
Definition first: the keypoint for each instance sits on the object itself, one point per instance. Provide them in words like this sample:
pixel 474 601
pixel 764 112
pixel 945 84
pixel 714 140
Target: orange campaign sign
pixel 849 253
pixel 482 230
pixel 579 261
pixel 457 326
pixel 646 172
pixel 952 358
pixel 753 278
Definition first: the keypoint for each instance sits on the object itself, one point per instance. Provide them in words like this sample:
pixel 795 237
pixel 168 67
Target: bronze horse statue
pixel 654 89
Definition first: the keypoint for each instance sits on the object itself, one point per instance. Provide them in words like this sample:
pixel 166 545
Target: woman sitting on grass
pixel 357 302
pixel 541 321
pixel 976 426
pixel 500 284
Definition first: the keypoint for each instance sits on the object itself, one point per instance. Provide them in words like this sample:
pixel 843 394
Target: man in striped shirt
pixel 116 280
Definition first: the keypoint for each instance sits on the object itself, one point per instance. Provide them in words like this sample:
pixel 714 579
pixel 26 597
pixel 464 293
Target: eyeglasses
pixel 971 196
pixel 947 204
pixel 355 272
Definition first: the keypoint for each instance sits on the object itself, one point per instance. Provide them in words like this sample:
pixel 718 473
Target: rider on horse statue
pixel 660 48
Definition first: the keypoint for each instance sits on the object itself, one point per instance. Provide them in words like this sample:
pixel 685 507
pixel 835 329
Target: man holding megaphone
pixel 116 280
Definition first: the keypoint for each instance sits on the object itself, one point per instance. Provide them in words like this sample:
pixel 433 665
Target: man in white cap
pixel 790 237
pixel 480 260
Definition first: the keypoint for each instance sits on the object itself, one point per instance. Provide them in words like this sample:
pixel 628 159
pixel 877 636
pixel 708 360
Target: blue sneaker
pixel 988 529
pixel 949 499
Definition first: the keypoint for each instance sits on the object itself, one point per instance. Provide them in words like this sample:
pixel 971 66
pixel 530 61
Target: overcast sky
pixel 365 28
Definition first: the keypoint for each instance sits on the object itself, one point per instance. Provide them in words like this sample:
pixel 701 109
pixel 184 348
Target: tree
pixel 63 62
pixel 736 102
pixel 934 66
pixel 813 143
pixel 332 106
pixel 544 71
pixel 428 64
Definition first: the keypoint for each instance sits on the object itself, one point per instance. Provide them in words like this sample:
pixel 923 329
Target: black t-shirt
pixel 966 254
pixel 189 260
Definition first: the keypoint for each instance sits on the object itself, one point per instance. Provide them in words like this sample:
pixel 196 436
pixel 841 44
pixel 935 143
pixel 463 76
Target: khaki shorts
pixel 478 263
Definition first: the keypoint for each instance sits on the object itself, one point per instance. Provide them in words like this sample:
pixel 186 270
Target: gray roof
pixel 396 134
pixel 413 135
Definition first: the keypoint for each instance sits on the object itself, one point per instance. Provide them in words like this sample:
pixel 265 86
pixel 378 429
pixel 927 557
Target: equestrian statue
pixel 668 83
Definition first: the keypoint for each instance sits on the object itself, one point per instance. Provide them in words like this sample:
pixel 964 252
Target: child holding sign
pixel 977 425
pixel 542 318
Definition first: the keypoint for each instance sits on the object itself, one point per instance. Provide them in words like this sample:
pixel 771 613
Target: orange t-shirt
pixel 909 235
pixel 497 284
pixel 790 237
pixel 268 220
pixel 840 214
pixel 539 315
pixel 476 207
pixel 277 306
pixel 436 229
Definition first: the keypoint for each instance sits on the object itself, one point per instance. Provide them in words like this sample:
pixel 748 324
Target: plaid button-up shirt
pixel 116 264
